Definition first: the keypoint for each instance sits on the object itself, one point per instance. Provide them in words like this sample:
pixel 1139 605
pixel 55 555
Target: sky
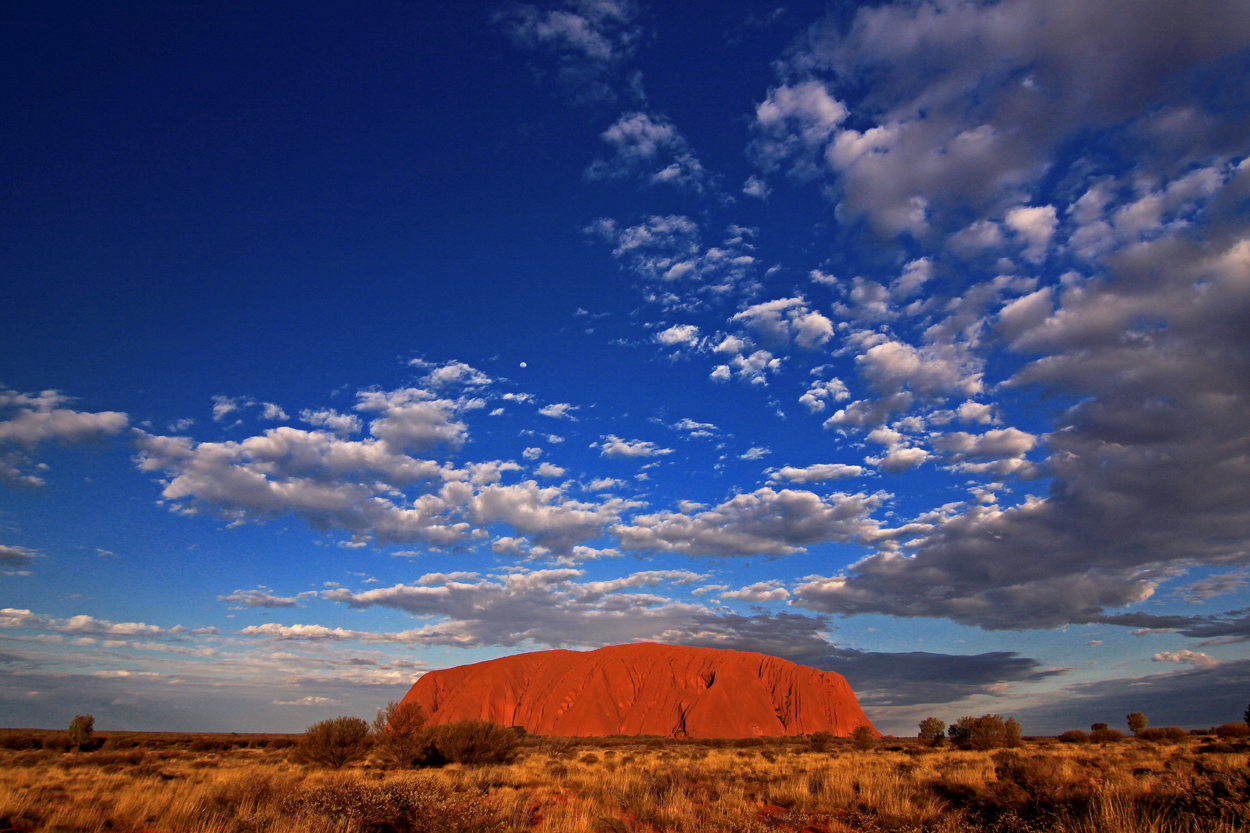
pixel 906 340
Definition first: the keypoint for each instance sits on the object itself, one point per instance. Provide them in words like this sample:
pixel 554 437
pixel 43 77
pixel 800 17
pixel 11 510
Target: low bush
pixel 1106 736
pixel 334 742
pixel 1233 730
pixel 1074 736
pixel 20 741
pixel 989 731
pixel 401 736
pixel 414 807
pixel 1163 734
pixel 476 742
pixel 821 741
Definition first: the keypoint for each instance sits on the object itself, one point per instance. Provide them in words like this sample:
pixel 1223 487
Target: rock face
pixel 643 689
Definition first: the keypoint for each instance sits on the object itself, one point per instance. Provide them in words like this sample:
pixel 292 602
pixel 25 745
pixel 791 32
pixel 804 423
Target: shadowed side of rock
pixel 646 689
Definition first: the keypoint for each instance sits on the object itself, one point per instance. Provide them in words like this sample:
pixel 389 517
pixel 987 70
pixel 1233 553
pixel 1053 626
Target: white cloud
pixel 761 591
pixel 776 322
pixel 451 373
pixel 31 426
pixel 933 370
pixel 817 473
pixel 559 410
pixel 764 522
pixel 86 625
pixel 794 123
pixel 1195 658
pixel 615 448
pixel 341 424
pixel 261 597
pixel 686 335
pixel 532 453
pixel 667 250
pixel 1036 225
pixel 549 470
pixel 412 418
pixel 756 187
pixel 26 420
pixel 821 392
pixel 754 453
pixel 16 556
pixel 648 147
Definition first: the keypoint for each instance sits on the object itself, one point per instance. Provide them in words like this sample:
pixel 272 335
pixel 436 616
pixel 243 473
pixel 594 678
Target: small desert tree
pixel 476 742
pixel 863 737
pixel 334 742
pixel 1099 727
pixel 989 731
pixel 1246 715
pixel 401 736
pixel 80 729
pixel 932 730
pixel 821 741
pixel 1137 722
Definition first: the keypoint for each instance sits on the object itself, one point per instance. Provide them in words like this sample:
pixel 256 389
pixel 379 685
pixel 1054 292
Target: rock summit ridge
pixel 643 689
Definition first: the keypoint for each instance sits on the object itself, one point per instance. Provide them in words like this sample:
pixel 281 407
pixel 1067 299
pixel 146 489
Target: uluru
pixel 643 689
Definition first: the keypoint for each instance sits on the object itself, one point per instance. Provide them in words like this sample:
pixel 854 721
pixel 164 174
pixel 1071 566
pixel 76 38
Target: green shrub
pixel 1137 722
pixel 334 742
pixel 476 742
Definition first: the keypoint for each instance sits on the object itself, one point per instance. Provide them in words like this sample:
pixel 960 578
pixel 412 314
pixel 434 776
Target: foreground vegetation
pixel 256 784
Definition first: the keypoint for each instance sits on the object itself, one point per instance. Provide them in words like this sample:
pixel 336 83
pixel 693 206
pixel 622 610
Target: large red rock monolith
pixel 643 689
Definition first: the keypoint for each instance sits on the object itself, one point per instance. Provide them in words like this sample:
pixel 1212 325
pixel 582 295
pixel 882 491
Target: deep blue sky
pixel 905 340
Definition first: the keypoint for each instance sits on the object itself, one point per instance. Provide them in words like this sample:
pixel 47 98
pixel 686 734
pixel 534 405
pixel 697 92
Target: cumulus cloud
pixel 794 123
pixel 548 607
pixel 559 410
pixel 1035 73
pixel 260 597
pixel 359 485
pixel 817 473
pixel 679 335
pixel 777 322
pixel 1195 658
pixel 764 522
pixel 613 447
pixel 87 625
pixel 341 424
pixel 589 39
pixel 451 373
pixel 413 419
pixel 28 419
pixel 549 470
pixel 761 591
pixel 821 393
pixel 648 147
pixel 668 251
pixel 16 556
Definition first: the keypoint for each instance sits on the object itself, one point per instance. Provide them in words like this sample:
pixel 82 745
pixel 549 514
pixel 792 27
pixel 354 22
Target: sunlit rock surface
pixel 645 689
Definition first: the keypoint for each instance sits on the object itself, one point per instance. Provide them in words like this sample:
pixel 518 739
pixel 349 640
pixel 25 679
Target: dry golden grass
pixel 626 786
